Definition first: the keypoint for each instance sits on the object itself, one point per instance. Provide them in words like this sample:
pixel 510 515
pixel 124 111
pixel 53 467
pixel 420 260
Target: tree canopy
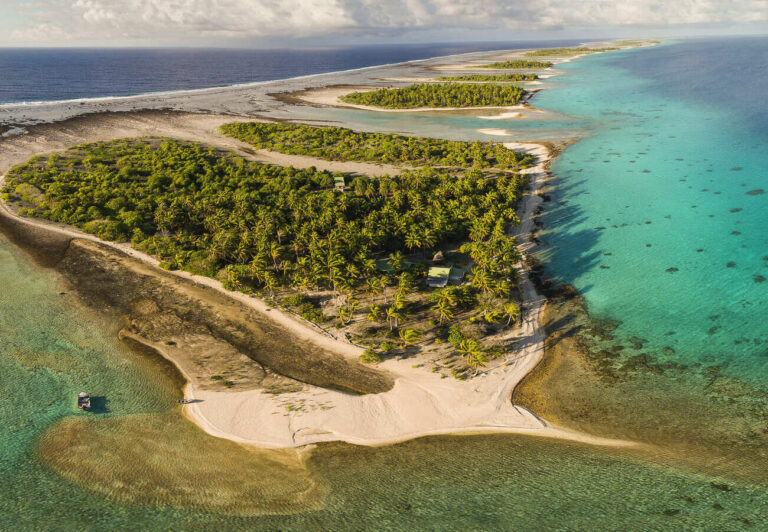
pixel 439 95
pixel 341 144
pixel 548 52
pixel 519 63
pixel 262 226
pixel 514 76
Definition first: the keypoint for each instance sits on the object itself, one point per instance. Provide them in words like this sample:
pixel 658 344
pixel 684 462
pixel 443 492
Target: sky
pixel 277 23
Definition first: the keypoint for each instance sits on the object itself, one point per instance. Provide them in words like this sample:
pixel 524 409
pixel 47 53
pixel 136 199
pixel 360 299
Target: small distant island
pixel 517 76
pixel 559 52
pixel 442 95
pixel 519 63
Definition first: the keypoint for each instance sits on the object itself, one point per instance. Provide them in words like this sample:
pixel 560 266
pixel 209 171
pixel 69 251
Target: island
pixel 446 95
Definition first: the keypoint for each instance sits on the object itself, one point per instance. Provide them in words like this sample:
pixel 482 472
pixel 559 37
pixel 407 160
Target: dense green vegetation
pixel 439 95
pixel 548 52
pixel 519 63
pixel 516 76
pixel 636 42
pixel 341 144
pixel 286 232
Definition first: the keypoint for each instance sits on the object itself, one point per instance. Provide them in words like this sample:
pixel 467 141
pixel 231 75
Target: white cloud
pixel 187 20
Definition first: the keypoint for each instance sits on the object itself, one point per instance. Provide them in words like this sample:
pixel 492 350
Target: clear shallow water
pixel 52 349
pixel 463 125
pixel 660 214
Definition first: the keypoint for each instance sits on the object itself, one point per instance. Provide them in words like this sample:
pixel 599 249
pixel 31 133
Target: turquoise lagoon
pixel 659 215
pixel 696 161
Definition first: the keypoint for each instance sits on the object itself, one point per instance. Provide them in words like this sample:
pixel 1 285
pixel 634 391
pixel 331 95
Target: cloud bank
pixel 147 20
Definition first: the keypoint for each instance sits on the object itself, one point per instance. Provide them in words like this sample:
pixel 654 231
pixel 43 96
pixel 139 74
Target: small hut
pixel 457 275
pixel 437 277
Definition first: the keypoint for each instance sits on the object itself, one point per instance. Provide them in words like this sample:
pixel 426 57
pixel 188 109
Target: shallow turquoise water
pixel 449 125
pixel 660 216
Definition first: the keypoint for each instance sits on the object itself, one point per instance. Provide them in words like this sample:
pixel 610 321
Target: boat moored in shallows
pixel 83 401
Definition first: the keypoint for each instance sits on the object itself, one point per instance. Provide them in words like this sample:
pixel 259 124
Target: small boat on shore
pixel 83 401
pixel 185 401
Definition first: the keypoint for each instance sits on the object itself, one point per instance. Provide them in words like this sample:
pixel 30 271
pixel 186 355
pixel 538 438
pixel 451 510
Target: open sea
pixel 53 74
pixel 659 219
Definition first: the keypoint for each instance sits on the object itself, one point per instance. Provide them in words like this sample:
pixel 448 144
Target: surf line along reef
pixel 394 384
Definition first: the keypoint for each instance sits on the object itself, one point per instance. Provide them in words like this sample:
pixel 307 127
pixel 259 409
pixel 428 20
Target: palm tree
pixel 275 251
pixel 270 282
pixel 473 353
pixel 302 282
pixel 344 315
pixel 413 240
pixel 394 314
pixel 375 286
pixel 512 311
pixel 396 260
pixel 443 310
pixel 445 295
pixel 429 240
pixel 481 279
pixel 501 287
pixel 352 303
pixel 375 313
pixel 408 337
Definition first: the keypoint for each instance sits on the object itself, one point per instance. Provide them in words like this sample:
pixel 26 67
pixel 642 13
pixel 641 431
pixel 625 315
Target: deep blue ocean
pixel 35 75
